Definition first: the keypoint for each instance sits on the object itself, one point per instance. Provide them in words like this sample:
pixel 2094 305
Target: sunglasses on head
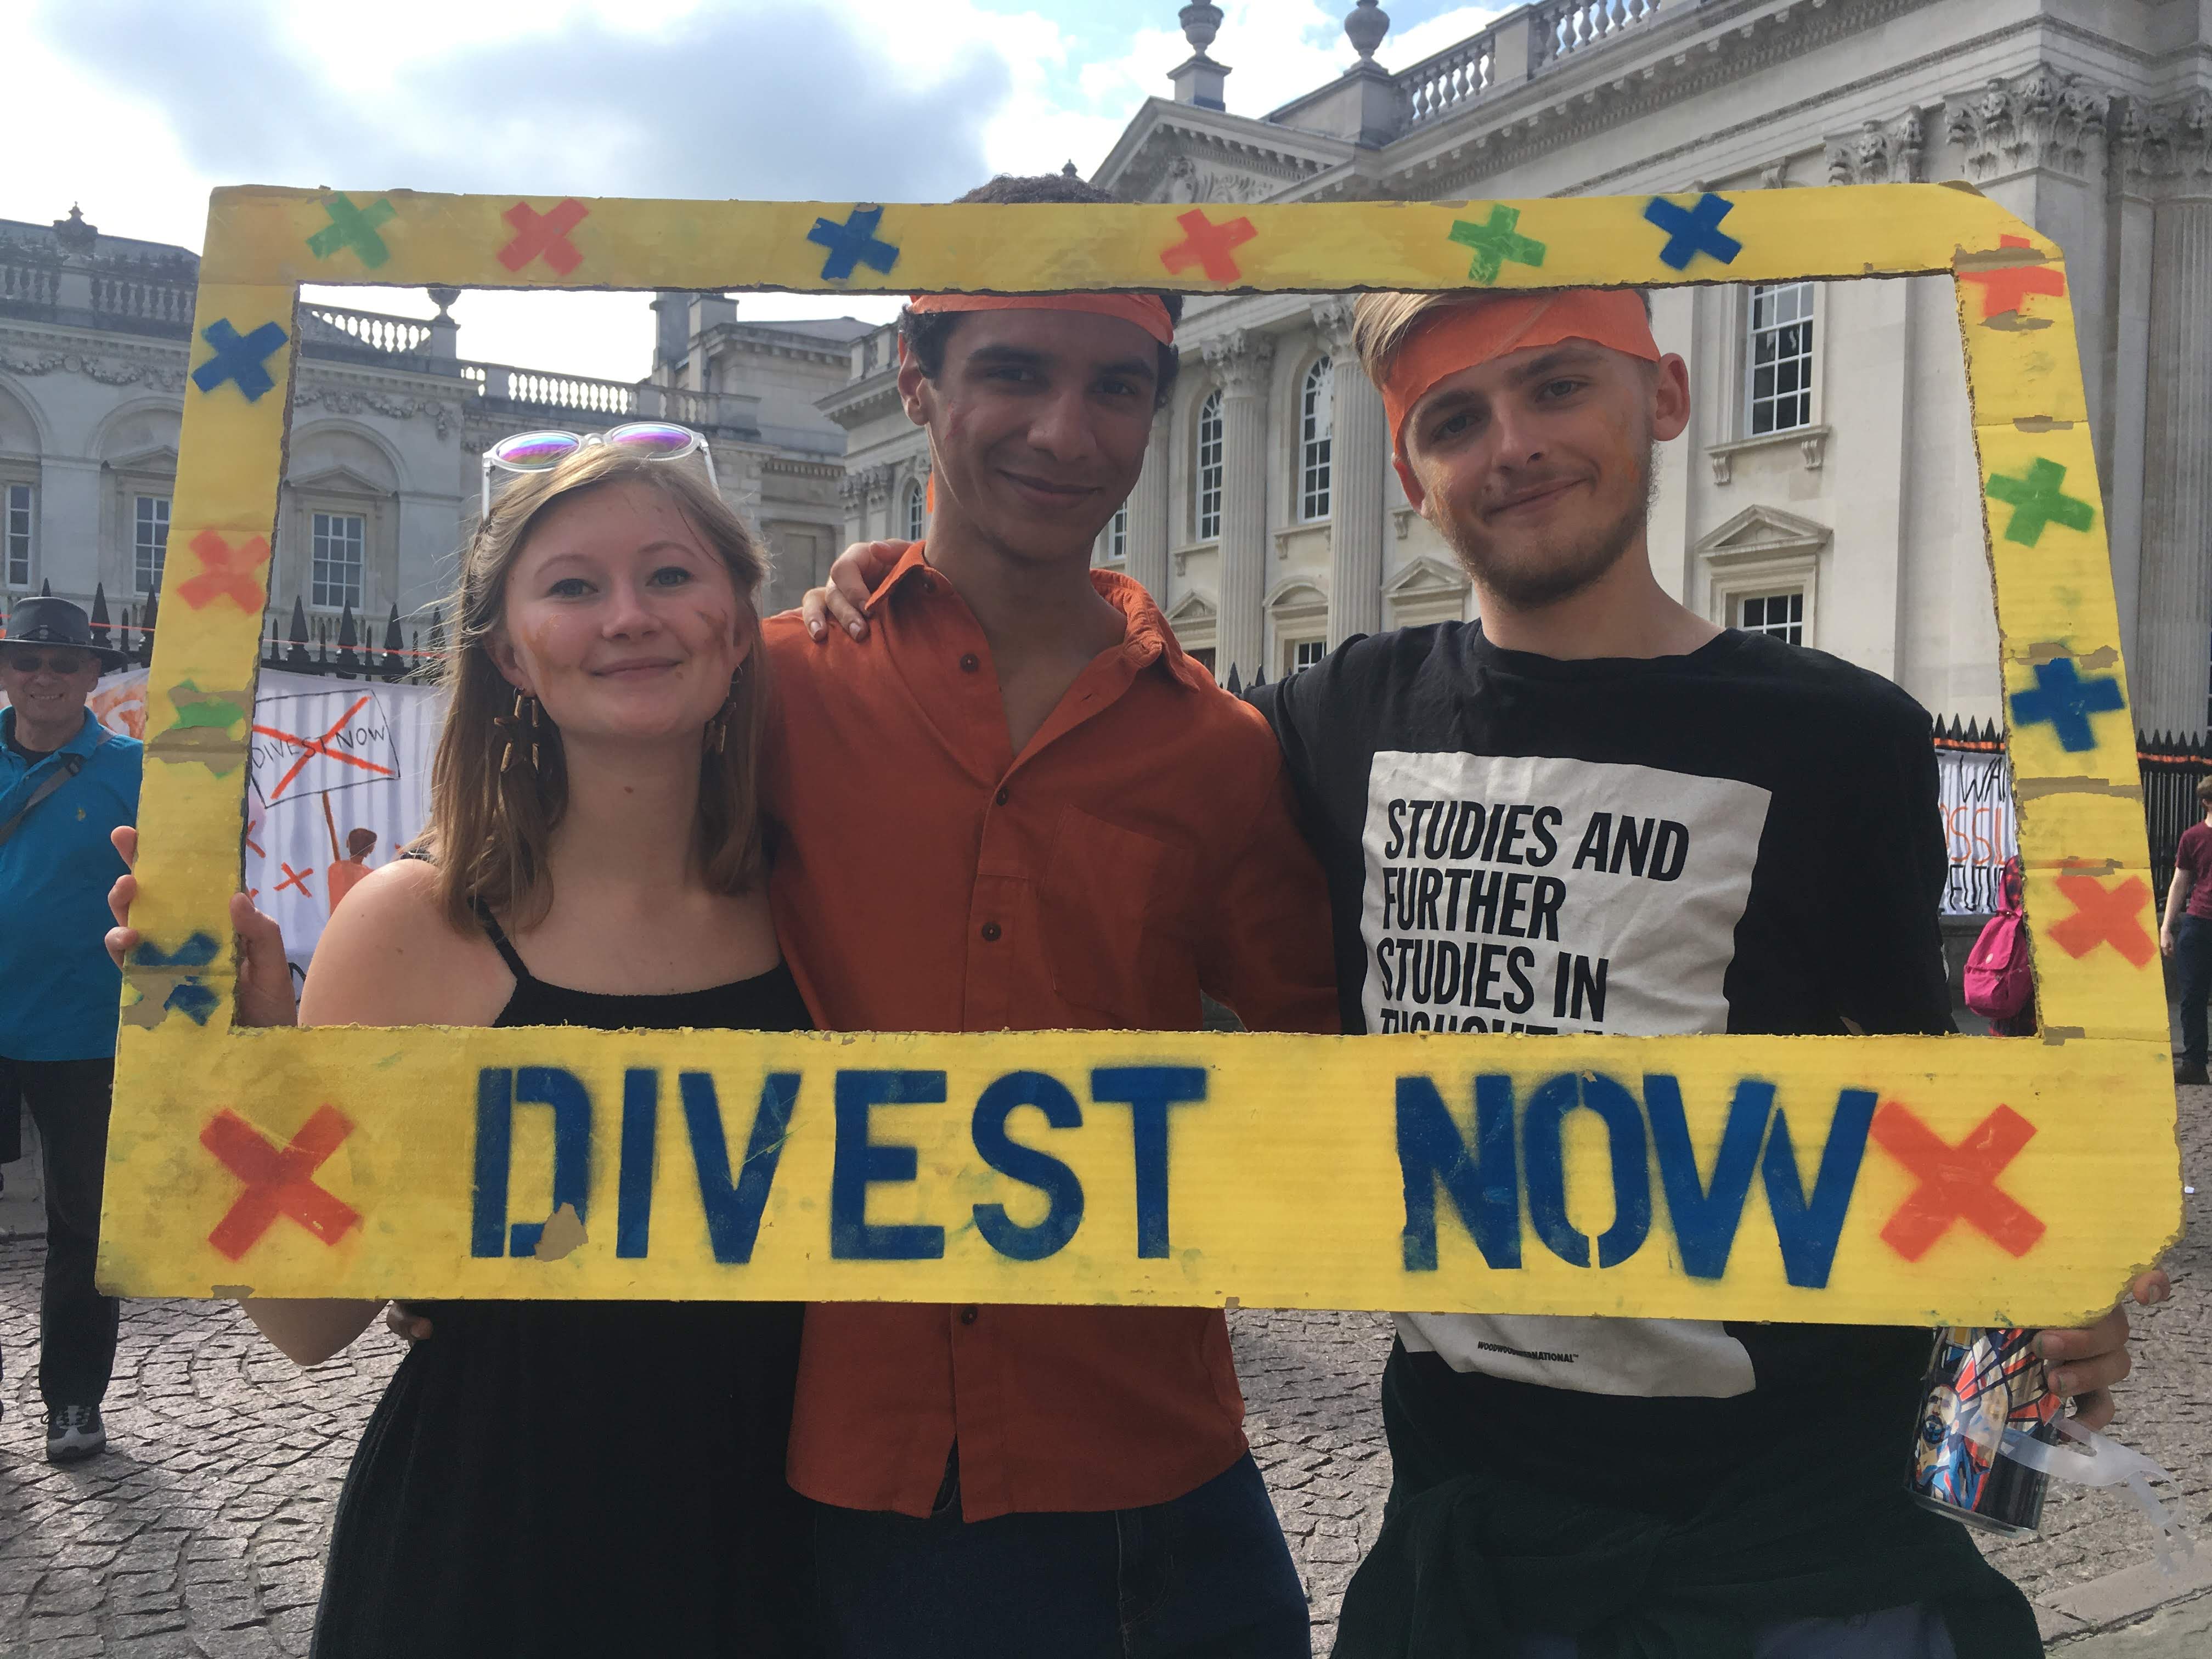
pixel 61 660
pixel 540 451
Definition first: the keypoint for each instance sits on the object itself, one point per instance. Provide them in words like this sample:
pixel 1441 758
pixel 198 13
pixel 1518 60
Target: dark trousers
pixel 2192 956
pixel 1206 1576
pixel 68 1100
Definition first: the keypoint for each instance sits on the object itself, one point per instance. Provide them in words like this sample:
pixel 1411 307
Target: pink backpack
pixel 1998 984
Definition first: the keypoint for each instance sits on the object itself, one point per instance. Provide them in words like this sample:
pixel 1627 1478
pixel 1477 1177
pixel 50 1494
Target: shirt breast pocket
pixel 1108 903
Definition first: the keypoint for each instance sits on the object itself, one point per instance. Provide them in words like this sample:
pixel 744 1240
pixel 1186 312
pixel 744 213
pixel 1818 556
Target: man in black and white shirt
pixel 1595 811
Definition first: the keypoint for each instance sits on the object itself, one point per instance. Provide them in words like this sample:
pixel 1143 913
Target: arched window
pixel 1117 535
pixel 1208 517
pixel 916 511
pixel 1316 406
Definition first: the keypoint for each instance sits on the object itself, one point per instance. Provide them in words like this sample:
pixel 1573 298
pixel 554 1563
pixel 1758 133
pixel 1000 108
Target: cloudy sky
pixel 136 108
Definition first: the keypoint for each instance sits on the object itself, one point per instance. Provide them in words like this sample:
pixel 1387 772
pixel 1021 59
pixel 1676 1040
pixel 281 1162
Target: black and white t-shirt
pixel 1745 839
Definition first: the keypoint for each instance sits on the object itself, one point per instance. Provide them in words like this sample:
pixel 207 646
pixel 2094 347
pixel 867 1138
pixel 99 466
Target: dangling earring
pixel 718 729
pixel 513 725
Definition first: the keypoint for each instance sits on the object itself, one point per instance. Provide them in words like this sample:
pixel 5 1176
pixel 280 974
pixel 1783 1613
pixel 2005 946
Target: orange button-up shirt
pixel 927 878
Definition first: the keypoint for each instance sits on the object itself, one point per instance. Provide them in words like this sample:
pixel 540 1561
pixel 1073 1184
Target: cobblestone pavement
pixel 200 1535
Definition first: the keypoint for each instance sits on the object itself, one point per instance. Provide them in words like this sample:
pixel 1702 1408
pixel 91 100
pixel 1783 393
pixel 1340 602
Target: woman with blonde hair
pixel 570 1477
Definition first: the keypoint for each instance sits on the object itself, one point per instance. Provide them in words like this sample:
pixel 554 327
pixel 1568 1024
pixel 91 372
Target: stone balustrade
pixel 159 302
pixel 1559 28
pixel 404 335
pixel 1437 86
pixel 26 283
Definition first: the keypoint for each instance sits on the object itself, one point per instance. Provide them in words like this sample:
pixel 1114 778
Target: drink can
pixel 1981 1382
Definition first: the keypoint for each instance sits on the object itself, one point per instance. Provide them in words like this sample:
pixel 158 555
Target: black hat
pixel 48 621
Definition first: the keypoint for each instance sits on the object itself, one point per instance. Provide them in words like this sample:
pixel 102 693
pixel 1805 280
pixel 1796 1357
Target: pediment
pixel 1295 593
pixel 1173 152
pixel 1423 576
pixel 340 480
pixel 162 457
pixel 1762 532
pixel 1194 608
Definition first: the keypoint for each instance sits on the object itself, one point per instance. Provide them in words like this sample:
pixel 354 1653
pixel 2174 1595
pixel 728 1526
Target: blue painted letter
pixel 498 1093
pixel 1063 1193
pixel 1707 1217
pixel 1808 1232
pixel 640 1124
pixel 733 1211
pixel 1485 1189
pixel 1547 1177
pixel 1148 1092
pixel 861 1162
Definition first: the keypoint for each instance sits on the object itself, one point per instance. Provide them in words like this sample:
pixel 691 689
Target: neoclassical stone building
pixel 1826 489
pixel 389 425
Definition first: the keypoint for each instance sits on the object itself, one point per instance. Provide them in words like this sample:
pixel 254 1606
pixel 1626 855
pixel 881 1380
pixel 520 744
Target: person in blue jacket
pixel 65 782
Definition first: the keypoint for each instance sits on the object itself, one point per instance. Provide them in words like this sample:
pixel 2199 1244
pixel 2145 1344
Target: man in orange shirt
pixel 1052 777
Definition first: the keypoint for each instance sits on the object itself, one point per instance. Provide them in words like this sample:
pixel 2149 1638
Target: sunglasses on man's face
pixel 61 661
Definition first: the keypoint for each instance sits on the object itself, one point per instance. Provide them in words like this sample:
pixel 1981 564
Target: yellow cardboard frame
pixel 1900 1180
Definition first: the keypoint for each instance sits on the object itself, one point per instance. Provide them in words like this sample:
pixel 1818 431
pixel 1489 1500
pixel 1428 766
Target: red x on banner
pixel 536 233
pixel 311 747
pixel 2005 287
pixel 2103 917
pixel 279 1181
pixel 1956 1183
pixel 1208 244
pixel 225 569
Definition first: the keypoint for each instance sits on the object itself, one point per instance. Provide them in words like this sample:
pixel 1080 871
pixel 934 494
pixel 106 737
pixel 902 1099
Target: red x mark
pixel 2101 917
pixel 2004 287
pixel 251 826
pixel 278 1180
pixel 1956 1182
pixel 536 233
pixel 311 747
pixel 295 878
pixel 1208 244
pixel 225 569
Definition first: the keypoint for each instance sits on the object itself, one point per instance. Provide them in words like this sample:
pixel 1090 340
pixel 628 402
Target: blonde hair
pixel 1382 323
pixel 491 829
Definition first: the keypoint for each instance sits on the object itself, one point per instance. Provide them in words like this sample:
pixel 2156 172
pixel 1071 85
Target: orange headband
pixel 1454 337
pixel 1145 310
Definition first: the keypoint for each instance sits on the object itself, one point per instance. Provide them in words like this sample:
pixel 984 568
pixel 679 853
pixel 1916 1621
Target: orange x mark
pixel 279 1179
pixel 2110 917
pixel 225 569
pixel 311 747
pixel 1957 1183
pixel 2004 287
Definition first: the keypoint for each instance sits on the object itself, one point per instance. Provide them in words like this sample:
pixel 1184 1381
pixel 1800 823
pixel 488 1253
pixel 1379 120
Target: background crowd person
pixel 2185 935
pixel 570 1477
pixel 66 783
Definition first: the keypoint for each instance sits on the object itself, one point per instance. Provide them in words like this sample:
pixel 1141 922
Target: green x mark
pixel 2036 501
pixel 354 228
pixel 1496 242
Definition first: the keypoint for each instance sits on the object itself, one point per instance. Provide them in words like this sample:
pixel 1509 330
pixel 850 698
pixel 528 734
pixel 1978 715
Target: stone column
pixel 2174 605
pixel 1359 457
pixel 1241 361
pixel 1148 512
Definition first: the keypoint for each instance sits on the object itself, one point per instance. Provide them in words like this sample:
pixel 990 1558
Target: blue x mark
pixel 854 243
pixel 197 952
pixel 1693 231
pixel 238 357
pixel 2066 700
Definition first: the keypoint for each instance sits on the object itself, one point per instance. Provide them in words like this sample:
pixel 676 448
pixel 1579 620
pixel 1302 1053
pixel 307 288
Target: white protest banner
pixel 1975 787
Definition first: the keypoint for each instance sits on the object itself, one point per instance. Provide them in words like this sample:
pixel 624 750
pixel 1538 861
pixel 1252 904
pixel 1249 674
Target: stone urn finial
pixel 1201 21
pixel 74 234
pixel 443 299
pixel 1365 26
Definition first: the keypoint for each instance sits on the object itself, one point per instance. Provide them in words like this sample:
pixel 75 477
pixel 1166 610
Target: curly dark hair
pixel 926 333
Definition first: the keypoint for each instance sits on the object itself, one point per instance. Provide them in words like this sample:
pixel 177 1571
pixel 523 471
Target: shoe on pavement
pixel 75 1433
pixel 2186 1073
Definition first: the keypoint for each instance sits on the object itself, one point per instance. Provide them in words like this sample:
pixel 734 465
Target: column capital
pixel 2168 143
pixel 1879 153
pixel 2046 119
pixel 1333 322
pixel 1240 360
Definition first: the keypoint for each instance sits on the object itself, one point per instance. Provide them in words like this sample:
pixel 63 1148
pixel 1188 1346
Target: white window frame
pixel 1790 627
pixel 150 542
pixel 1306 654
pixel 1802 300
pixel 1317 429
pixel 19 533
pixel 917 510
pixel 321 587
pixel 1117 535
pixel 1208 434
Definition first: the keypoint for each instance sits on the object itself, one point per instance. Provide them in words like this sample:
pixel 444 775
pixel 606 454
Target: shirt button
pixel 970 663
pixel 999 799
pixel 990 932
pixel 968 1315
